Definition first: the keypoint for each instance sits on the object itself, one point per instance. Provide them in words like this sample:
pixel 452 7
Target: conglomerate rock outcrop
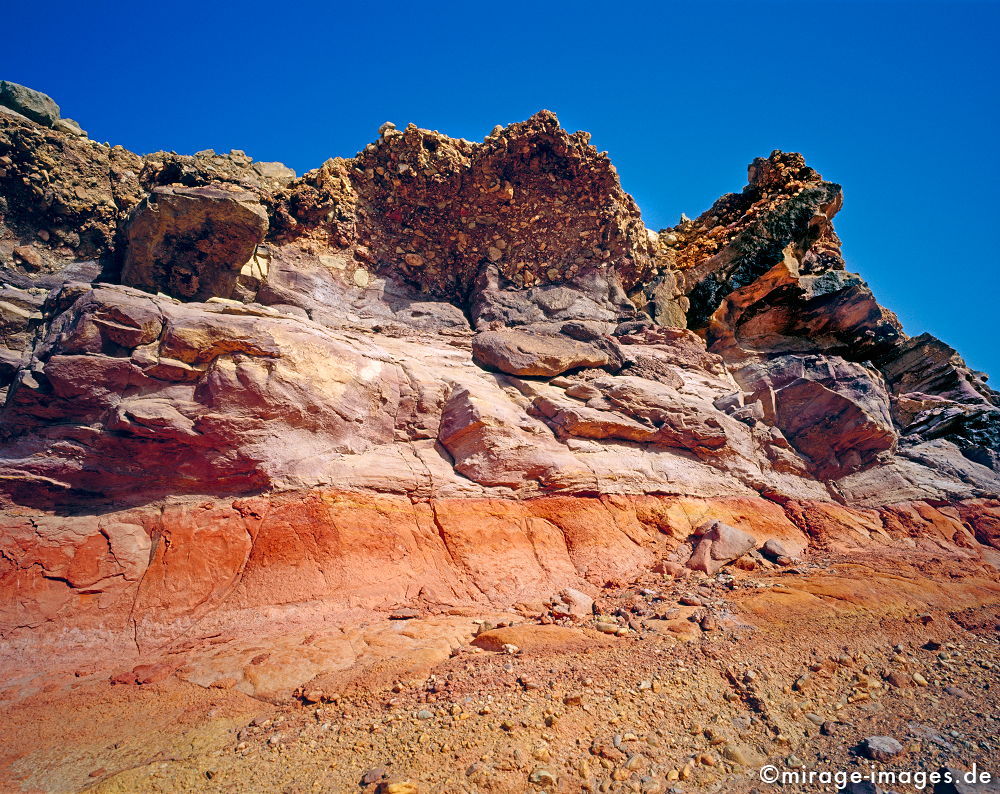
pixel 408 373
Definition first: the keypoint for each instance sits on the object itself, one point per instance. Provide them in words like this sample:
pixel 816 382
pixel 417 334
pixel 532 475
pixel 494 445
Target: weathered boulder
pixel 572 603
pixel 35 105
pixel 718 545
pixel 835 412
pixel 529 354
pixel 70 127
pixel 774 550
pixel 191 243
pixel 881 748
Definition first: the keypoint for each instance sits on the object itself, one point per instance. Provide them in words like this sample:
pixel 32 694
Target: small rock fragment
pixel 881 748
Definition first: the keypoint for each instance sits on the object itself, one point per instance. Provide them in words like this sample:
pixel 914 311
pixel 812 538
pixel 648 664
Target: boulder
pixel 669 568
pixel 774 550
pixel 191 243
pixel 70 127
pixel 571 603
pixel 834 412
pixel 32 104
pixel 534 355
pixel 719 544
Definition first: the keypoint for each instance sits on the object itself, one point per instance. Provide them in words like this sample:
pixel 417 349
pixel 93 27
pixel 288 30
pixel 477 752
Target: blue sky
pixel 897 101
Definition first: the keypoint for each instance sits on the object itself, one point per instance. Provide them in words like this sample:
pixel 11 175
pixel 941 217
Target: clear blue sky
pixel 898 101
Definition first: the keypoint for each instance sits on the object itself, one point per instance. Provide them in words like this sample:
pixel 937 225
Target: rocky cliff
pixel 439 372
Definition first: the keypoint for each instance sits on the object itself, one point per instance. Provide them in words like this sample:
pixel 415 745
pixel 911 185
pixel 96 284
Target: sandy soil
pixel 700 684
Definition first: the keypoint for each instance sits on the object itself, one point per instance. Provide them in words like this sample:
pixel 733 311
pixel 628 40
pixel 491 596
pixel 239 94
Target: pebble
pixel 898 679
pixel 373 775
pixel 542 776
pixel 881 748
pixel 401 787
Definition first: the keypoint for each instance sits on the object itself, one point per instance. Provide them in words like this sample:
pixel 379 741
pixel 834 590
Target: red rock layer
pixel 148 575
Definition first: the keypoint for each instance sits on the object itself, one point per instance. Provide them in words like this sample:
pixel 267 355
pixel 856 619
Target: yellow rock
pixel 399 788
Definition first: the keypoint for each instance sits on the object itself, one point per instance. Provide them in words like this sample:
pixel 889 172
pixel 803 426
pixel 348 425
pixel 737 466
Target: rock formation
pixel 440 372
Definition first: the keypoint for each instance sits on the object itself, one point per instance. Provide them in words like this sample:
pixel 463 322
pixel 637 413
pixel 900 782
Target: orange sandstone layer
pixel 143 577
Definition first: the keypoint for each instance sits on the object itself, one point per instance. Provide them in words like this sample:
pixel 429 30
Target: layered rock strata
pixel 403 375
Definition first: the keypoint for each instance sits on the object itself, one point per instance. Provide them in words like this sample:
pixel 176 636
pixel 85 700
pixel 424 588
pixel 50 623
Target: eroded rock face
pixel 744 235
pixel 833 411
pixel 540 204
pixel 788 310
pixel 475 348
pixel 937 396
pixel 61 199
pixel 191 243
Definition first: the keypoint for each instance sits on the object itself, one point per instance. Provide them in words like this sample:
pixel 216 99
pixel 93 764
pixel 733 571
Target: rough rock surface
pixel 533 354
pixel 33 105
pixel 442 376
pixel 719 544
pixel 192 243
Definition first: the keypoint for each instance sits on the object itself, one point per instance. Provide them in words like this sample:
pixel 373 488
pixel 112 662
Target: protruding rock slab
pixel 192 242
pixel 534 355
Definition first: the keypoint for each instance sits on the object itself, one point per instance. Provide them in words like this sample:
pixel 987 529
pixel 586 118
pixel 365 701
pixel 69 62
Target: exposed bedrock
pixel 226 383
pixel 148 575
